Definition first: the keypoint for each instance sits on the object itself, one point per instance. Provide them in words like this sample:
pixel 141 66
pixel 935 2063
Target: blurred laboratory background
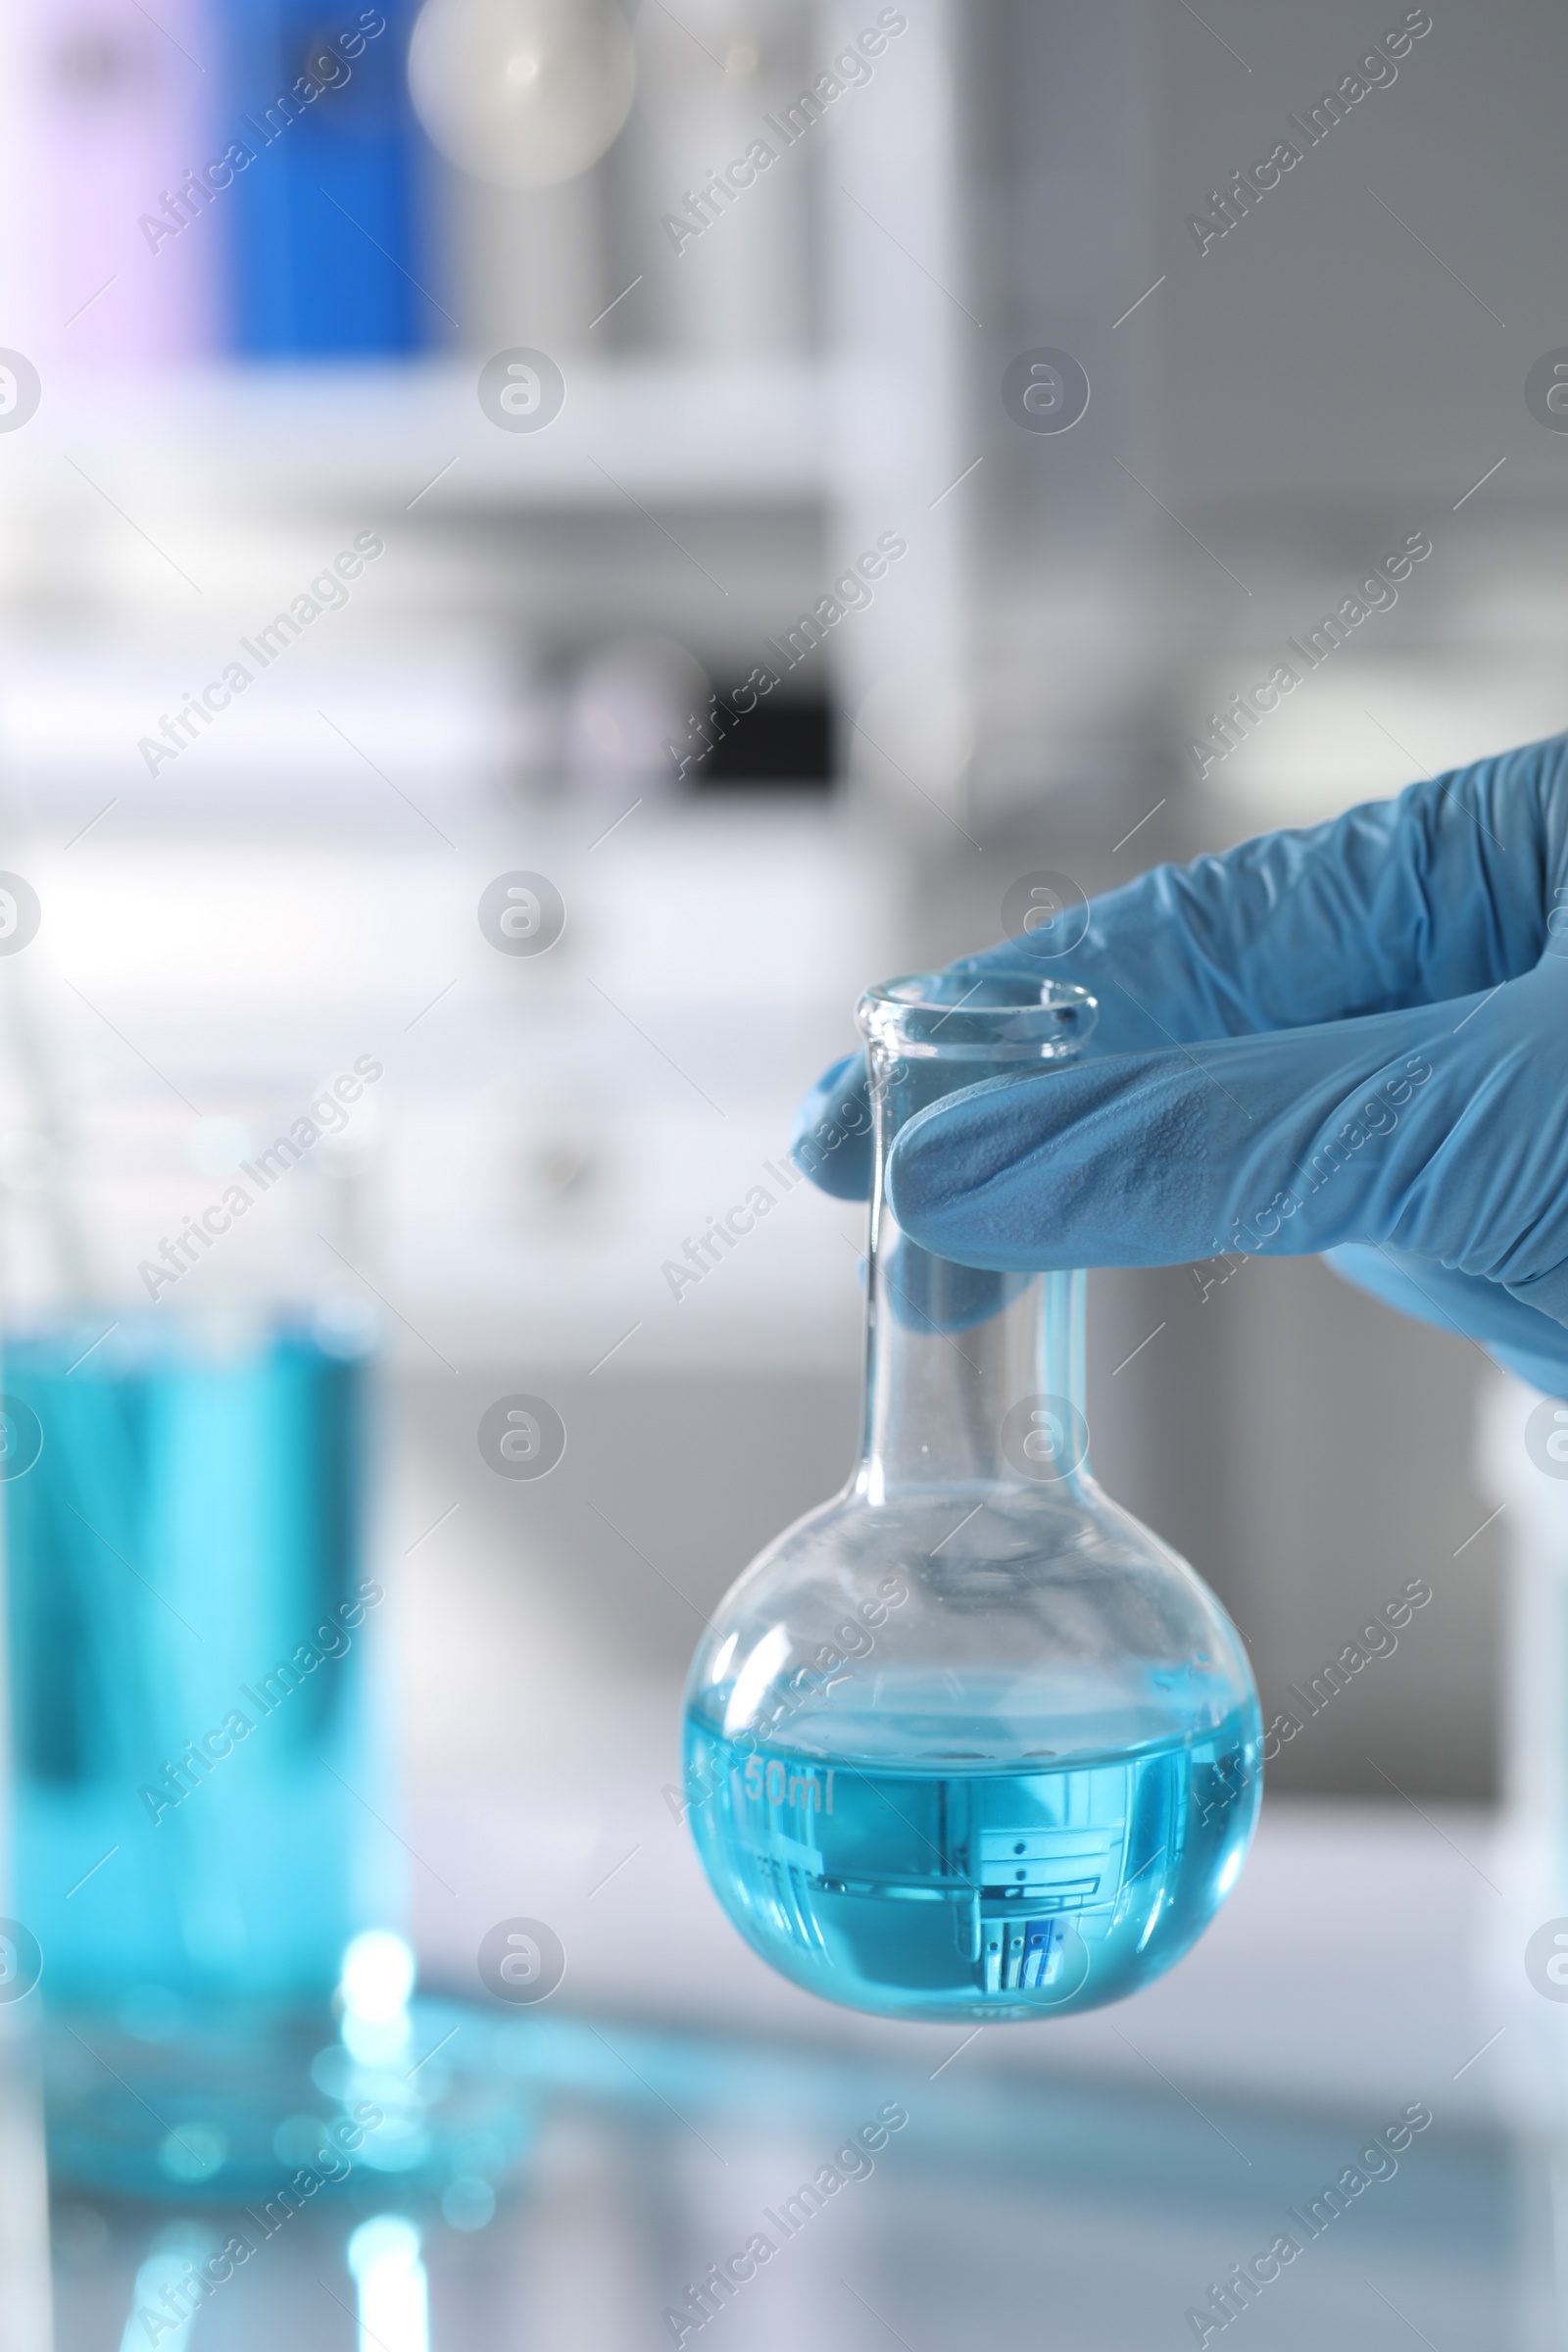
pixel 528 381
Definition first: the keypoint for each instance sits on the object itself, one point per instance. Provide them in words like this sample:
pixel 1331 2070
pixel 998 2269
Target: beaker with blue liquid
pixel 190 1601
pixel 968 1741
pixel 196 1756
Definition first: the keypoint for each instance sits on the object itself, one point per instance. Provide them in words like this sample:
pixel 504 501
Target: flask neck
pixel 973 1379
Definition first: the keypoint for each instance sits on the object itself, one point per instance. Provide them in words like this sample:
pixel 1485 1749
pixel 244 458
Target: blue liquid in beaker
pixel 922 1891
pixel 188 1612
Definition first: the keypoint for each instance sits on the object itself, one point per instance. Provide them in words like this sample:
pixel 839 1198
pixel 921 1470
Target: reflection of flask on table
pixel 968 1741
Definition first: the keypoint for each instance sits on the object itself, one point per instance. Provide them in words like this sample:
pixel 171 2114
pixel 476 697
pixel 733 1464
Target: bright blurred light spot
pixel 755 1675
pixel 393 2292
pixel 377 2041
pixel 378 1971
pixel 1228 1875
pixel 522 93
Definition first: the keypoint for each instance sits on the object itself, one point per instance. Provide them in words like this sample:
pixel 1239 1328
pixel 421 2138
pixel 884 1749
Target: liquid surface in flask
pixel 954 1884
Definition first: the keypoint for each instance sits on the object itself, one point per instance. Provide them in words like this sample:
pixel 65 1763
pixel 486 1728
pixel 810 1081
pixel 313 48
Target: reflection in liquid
pixel 376 1982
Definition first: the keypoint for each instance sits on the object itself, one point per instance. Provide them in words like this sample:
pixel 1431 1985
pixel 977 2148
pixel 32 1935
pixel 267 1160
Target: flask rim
pixel 999 1014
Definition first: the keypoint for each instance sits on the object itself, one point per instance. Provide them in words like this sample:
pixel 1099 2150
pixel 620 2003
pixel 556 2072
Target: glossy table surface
pixel 1082 2187
pixel 847 2203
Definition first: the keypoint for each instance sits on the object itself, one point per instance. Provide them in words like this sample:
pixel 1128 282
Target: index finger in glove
pixel 1442 1130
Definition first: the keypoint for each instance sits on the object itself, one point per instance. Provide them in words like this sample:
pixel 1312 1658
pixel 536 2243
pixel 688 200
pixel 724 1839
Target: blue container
pixel 190 1612
pixel 324 215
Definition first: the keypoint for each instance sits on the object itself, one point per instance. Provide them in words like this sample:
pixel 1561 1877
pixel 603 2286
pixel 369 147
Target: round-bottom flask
pixel 969 1741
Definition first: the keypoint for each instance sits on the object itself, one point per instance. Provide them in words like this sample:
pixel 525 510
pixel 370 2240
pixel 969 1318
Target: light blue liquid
pixel 191 1525
pixel 1039 1889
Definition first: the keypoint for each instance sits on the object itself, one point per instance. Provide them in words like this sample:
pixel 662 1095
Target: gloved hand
pixel 1350 1040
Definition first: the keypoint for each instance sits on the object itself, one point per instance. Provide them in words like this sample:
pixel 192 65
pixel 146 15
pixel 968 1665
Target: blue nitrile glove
pixel 1351 1040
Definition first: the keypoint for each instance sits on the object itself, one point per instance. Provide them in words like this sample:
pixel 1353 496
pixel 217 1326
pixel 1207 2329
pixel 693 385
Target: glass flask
pixel 968 1741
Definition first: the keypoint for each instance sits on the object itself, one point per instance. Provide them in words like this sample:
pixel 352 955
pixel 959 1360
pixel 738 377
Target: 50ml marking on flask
pixel 782 1786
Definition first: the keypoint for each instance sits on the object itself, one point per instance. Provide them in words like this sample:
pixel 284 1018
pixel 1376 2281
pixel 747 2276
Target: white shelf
pixel 669 433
